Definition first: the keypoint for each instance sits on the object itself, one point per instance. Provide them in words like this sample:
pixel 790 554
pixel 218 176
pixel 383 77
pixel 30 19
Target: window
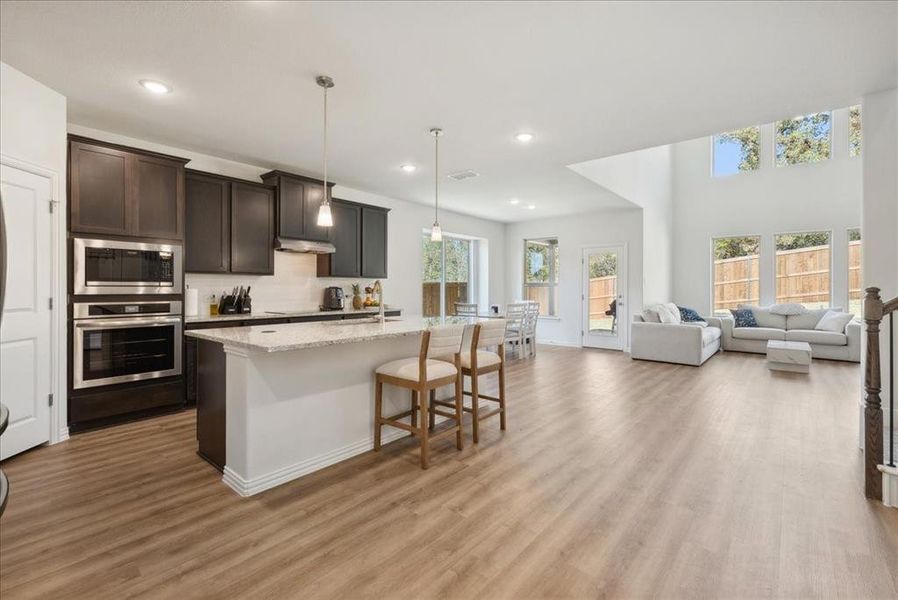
pixel 447 274
pixel 803 268
pixel 736 272
pixel 541 274
pixel 854 133
pixel 735 151
pixel 804 139
pixel 855 277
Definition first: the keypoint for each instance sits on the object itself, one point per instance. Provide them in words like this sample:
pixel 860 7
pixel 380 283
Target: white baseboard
pixel 62 435
pixel 558 343
pixel 889 485
pixel 249 487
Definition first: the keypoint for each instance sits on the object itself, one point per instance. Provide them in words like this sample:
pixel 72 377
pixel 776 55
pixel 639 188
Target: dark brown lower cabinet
pixel 89 409
pixel 211 424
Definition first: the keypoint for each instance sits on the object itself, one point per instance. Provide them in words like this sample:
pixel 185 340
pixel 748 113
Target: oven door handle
pixel 127 323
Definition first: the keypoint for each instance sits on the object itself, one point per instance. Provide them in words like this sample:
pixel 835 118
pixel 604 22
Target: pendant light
pixel 436 234
pixel 325 218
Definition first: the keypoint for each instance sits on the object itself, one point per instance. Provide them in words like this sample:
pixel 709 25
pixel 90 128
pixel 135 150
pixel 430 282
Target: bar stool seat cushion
pixel 485 358
pixel 408 368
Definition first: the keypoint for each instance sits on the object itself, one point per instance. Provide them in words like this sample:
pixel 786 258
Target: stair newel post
pixel 873 404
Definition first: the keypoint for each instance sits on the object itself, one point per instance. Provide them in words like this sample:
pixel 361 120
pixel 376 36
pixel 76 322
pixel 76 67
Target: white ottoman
pixel 789 356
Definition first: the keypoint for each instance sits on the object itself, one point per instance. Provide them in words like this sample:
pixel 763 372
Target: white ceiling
pixel 589 79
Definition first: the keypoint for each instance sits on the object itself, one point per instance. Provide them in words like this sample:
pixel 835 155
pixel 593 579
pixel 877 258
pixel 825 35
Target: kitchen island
pixel 275 402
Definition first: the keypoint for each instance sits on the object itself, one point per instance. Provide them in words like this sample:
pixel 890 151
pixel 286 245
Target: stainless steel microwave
pixel 113 267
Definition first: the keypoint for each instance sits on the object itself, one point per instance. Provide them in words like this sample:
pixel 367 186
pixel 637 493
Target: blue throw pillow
pixel 744 317
pixel 687 315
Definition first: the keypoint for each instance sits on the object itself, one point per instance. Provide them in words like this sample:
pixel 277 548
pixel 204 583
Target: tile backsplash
pixel 294 285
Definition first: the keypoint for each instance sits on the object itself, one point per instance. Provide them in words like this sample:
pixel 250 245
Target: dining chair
pixel 466 309
pixel 530 321
pixel 515 315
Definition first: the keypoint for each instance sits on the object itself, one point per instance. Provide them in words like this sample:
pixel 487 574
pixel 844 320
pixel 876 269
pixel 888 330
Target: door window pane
pixel 855 276
pixel 457 269
pixel 447 274
pixel 803 268
pixel 736 272
pixel 541 263
pixel 603 272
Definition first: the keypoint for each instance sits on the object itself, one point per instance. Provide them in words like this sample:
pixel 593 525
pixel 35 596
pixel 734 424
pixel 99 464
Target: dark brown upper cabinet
pixel 230 225
pixel 116 190
pixel 252 228
pixel 208 236
pixel 298 199
pixel 346 236
pixel 374 241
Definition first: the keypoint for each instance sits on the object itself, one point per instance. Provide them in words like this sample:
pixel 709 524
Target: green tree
pixel 734 247
pixel 803 139
pixel 854 235
pixel 792 241
pixel 538 255
pixel 749 146
pixel 458 254
pixel 603 265
pixel 854 131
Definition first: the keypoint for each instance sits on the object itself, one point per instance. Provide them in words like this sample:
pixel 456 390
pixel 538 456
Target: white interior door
pixel 25 331
pixel 605 297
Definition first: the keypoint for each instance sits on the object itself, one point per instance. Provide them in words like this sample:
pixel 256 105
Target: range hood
pixel 303 246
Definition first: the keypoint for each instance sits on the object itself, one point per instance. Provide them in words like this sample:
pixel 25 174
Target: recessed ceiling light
pixel 515 201
pixel 156 87
pixel 409 168
pixel 531 206
pixel 524 137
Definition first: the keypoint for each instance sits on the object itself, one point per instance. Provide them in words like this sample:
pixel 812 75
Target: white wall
pixel 880 208
pixel 770 200
pixel 33 133
pixel 574 233
pixel 294 283
pixel 644 178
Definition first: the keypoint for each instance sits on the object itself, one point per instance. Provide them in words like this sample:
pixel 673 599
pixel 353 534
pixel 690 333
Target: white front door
pixel 25 330
pixel 604 297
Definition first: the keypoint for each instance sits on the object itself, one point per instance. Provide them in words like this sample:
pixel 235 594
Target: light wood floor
pixel 615 479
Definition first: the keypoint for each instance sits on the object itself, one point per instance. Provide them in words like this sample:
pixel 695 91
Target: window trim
pixel 798 232
pixel 712 259
pixel 554 286
pixel 831 146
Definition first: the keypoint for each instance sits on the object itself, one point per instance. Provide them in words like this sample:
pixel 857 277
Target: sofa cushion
pixel 765 318
pixel 674 311
pixel 834 321
pixel 695 323
pixel 759 333
pixel 689 315
pixel 812 336
pixel 650 315
pixel 788 308
pixel 809 319
pixel 744 317
pixel 709 336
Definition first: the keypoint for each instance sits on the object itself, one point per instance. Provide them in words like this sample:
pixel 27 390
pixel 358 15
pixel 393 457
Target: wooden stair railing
pixel 874 312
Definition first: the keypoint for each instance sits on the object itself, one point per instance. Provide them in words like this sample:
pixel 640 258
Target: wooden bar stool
pixel 478 361
pixel 437 365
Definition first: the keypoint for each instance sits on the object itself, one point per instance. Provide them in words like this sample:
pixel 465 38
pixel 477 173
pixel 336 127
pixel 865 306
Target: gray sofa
pixel 845 345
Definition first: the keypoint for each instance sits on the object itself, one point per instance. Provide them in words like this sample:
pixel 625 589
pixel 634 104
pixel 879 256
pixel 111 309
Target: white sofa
pixel 680 343
pixel 845 345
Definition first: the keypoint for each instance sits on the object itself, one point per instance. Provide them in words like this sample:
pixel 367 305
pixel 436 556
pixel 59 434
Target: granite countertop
pixel 297 336
pixel 285 314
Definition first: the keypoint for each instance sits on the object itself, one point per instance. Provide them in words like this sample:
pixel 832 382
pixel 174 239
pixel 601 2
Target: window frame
pixel 554 286
pixel 738 171
pixel 760 238
pixel 799 232
pixel 473 290
pixel 817 162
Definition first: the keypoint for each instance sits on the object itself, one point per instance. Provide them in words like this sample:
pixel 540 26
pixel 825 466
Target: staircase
pixel 880 472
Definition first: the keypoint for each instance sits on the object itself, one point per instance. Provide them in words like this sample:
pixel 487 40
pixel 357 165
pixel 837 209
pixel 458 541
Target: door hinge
pixel 50 399
pixel 53 203
pixel 50 302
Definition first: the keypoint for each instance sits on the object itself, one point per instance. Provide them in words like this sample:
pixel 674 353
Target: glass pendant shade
pixel 436 234
pixel 325 219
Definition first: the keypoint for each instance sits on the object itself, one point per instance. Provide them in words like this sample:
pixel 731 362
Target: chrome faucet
pixel 379 290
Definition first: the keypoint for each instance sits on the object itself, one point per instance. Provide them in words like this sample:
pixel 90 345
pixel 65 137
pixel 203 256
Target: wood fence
pixel 456 291
pixel 802 276
pixel 602 292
